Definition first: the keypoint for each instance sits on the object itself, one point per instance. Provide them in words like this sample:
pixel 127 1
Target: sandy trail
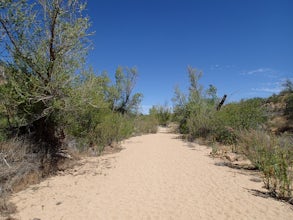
pixel 155 177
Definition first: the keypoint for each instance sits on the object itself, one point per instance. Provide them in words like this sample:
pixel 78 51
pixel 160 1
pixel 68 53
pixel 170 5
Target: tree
pixel 195 89
pixel 120 94
pixel 288 86
pixel 196 112
pixel 162 113
pixel 45 43
pixel 180 112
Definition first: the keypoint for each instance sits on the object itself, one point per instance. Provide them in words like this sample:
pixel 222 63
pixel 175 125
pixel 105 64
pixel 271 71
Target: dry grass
pixel 20 166
pixel 14 167
pixel 16 162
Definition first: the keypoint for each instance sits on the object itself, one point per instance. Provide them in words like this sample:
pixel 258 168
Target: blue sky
pixel 243 47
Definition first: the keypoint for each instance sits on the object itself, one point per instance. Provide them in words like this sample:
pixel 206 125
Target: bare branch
pixel 5 161
pixel 52 39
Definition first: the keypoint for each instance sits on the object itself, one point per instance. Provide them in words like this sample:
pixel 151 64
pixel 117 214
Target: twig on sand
pixel 5 161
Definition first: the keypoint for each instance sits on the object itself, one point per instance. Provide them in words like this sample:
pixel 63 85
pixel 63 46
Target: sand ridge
pixel 155 176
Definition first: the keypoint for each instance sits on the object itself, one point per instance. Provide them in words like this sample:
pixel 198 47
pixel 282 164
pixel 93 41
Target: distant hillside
pixel 280 112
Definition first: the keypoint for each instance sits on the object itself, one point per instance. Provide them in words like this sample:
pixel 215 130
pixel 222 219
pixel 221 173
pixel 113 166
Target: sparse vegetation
pixel 48 95
pixel 246 125
pixel 273 156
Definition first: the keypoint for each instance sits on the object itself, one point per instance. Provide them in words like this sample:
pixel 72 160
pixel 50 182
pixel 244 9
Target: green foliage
pixel 4 119
pixel 161 113
pixel 273 156
pixel 288 93
pixel 195 113
pixel 289 106
pixel 46 90
pixel 239 124
pixel 120 94
pixel 113 128
pixel 247 114
pixel 180 113
pixel 273 98
pixel 91 118
pixel 243 115
pixel 46 43
pixel 145 124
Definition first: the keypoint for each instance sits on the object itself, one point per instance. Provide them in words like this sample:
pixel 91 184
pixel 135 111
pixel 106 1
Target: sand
pixel 155 176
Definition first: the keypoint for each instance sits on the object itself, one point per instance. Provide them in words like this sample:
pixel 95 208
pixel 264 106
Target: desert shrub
pixel 92 116
pixel 243 115
pixel 3 113
pixel 287 87
pixel 161 113
pixel 224 134
pixel 3 126
pixel 145 124
pixel 273 98
pixel 200 121
pixel 194 112
pixel 273 156
pixel 180 116
pixel 86 108
pixel 100 128
pixel 198 116
pixel 113 128
pixel 289 106
pixel 247 114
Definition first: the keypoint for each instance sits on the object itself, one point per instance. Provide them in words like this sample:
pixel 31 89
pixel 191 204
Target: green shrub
pixel 247 114
pixel 3 126
pixel 114 128
pixel 273 98
pixel 162 114
pixel 194 112
pixel 145 124
pixel 273 156
pixel 200 121
pixel 225 135
pixel 92 117
pixel 243 115
pixel 100 129
pixel 181 117
pixel 289 106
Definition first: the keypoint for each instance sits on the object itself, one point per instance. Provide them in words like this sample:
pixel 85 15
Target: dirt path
pixel 155 177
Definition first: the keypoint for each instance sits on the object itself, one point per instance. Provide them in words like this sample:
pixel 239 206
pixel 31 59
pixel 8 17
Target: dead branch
pixel 5 161
pixel 221 103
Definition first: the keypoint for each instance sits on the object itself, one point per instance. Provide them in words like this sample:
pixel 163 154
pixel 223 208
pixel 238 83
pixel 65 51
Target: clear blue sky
pixel 243 47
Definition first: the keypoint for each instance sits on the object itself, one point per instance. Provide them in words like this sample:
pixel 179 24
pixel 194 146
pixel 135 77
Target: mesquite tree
pixel 43 44
pixel 121 97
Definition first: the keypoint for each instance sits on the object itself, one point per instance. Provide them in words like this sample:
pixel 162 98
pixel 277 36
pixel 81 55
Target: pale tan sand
pixel 156 176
